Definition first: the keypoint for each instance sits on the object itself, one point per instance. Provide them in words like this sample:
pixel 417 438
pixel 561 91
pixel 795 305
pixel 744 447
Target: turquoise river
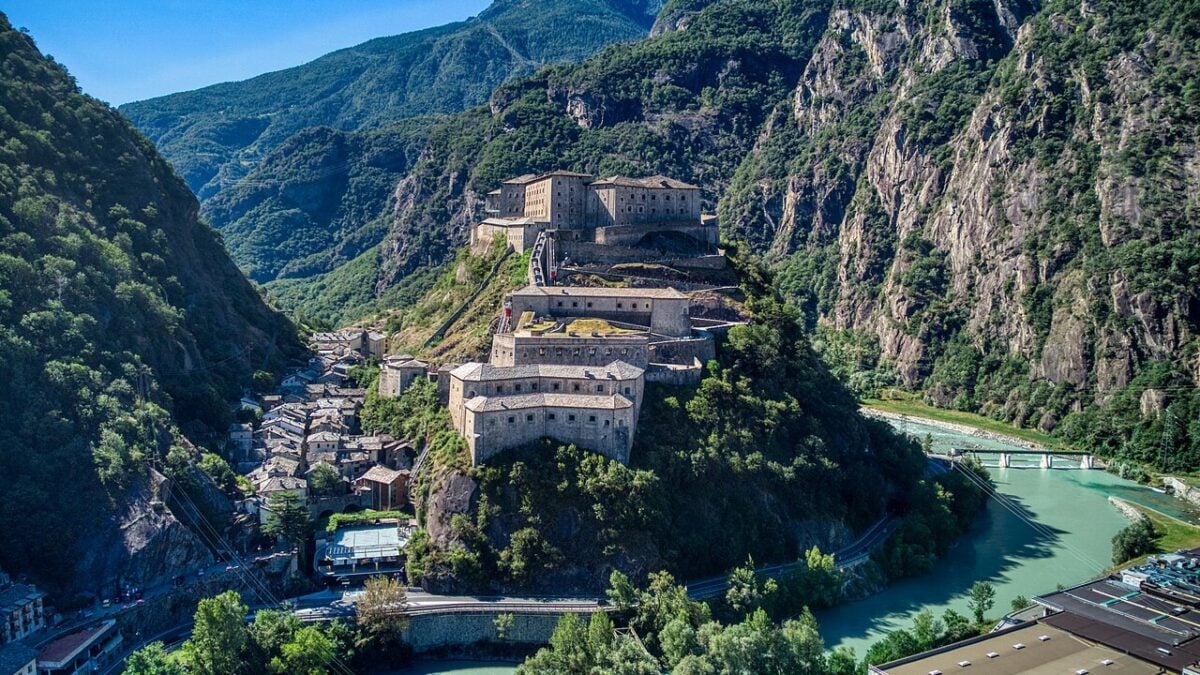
pixel 1072 542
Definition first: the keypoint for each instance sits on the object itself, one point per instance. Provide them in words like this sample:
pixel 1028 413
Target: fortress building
pixel 616 210
pixel 663 310
pixel 500 407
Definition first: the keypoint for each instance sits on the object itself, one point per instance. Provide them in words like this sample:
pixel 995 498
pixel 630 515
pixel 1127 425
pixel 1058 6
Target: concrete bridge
pixel 1085 460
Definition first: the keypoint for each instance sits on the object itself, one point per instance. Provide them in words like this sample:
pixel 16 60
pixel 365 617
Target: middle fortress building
pixel 572 366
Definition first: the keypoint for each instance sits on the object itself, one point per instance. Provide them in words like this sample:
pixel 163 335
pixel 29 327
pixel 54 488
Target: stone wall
pixel 560 349
pixel 676 375
pixel 630 235
pixel 425 633
pixel 683 351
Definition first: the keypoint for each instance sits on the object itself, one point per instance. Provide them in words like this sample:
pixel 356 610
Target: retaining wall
pixel 428 632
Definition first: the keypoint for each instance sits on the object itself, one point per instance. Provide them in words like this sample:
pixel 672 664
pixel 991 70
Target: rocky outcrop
pixel 146 545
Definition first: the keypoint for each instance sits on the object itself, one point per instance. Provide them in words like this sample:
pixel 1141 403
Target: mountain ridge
pixel 379 81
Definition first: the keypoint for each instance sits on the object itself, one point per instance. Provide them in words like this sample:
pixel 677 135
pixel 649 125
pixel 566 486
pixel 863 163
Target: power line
pixel 256 584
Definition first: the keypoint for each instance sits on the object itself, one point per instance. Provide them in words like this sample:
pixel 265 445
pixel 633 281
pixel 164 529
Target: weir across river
pixel 1070 458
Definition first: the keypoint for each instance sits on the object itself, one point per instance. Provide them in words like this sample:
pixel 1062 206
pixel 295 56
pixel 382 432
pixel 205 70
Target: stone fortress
pixel 612 211
pixel 570 362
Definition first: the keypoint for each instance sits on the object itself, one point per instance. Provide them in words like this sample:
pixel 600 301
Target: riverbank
pixel 959 423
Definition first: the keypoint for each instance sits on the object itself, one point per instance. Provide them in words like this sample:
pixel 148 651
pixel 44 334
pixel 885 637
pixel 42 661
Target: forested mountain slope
pixel 993 203
pixel 122 320
pixel 212 134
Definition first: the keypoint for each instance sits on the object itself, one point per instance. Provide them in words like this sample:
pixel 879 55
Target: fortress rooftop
pixel 478 372
pixel 598 292
pixel 527 401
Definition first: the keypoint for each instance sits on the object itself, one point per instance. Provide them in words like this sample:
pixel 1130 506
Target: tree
pixel 288 519
pixel 152 660
pixel 262 381
pixel 380 608
pixel 927 629
pixel 746 592
pixel 311 651
pixel 324 480
pixel 218 469
pixel 270 631
pixel 503 623
pixel 1020 602
pixel 982 598
pixel 219 636
pixel 621 593
pixel 1134 540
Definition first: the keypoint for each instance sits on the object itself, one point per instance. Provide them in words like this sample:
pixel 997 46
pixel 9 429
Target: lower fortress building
pixel 500 407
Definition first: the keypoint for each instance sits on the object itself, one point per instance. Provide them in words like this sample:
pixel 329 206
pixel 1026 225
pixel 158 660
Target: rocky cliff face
pixel 976 186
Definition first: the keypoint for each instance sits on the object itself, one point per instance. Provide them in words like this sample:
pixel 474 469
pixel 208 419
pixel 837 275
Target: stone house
pixel 524 347
pixel 388 488
pixel 398 372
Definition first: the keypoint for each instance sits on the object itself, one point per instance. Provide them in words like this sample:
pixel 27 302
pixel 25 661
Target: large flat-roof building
pixel 367 549
pixel 1030 648
pixel 85 651
pixel 663 310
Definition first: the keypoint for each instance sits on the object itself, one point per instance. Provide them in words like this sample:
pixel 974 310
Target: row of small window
pixel 512 419
pixel 629 209
pixel 558 351
pixel 666 198
pixel 620 305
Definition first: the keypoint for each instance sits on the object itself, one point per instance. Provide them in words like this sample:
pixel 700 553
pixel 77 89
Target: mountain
pixel 123 325
pixel 213 134
pixel 989 204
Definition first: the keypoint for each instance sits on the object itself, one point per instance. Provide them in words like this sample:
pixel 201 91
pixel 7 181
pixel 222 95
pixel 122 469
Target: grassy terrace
pixel 1173 534
pixel 916 408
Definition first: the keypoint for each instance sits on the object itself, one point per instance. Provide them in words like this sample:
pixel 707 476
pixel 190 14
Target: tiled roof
pixel 16 655
pixel 521 180
pixel 495 403
pixel 657 181
pixel 65 648
pixel 382 474
pixel 18 595
pixel 485 372
pixel 598 292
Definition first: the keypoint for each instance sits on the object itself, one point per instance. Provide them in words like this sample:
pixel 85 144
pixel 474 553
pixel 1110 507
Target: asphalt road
pixel 846 557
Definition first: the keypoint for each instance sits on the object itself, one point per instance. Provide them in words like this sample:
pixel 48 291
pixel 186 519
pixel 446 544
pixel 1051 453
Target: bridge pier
pixel 1088 462
pixel 1005 460
pixel 1047 461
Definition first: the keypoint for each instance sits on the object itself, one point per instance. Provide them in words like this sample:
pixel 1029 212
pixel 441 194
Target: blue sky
pixel 128 50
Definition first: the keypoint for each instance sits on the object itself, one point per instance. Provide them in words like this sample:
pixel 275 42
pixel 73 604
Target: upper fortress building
pixel 614 210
